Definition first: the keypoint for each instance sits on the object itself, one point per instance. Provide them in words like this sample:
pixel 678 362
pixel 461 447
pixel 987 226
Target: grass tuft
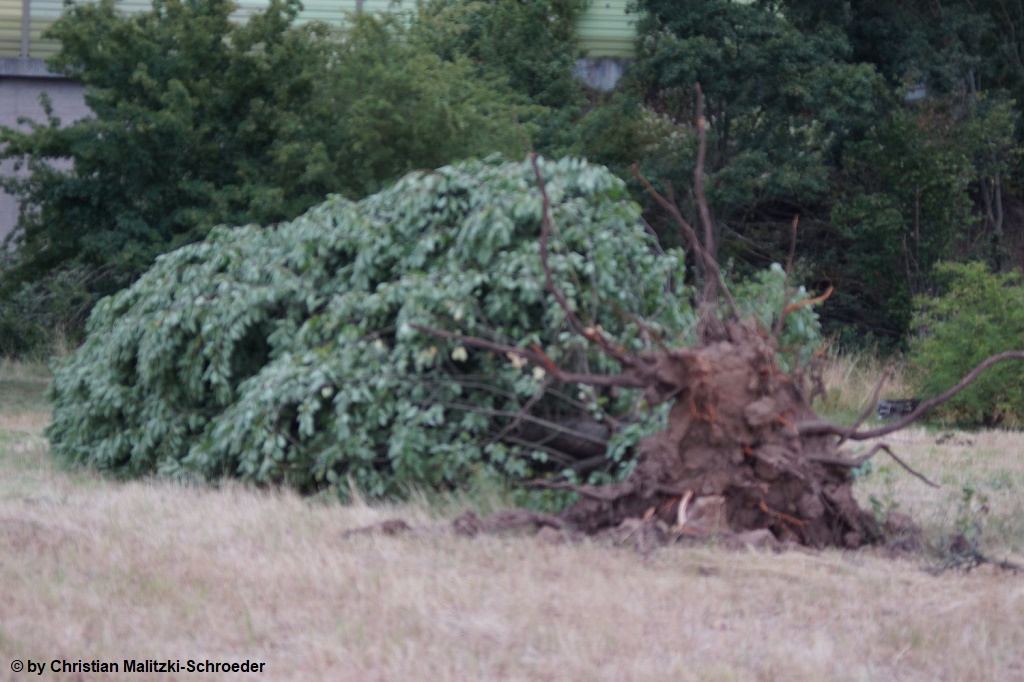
pixel 850 379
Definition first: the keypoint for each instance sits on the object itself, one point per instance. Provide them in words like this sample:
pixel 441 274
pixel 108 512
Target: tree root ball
pixel 732 456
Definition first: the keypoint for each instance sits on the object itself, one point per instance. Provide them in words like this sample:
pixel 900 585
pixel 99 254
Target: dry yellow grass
pixel 92 569
pixel 850 379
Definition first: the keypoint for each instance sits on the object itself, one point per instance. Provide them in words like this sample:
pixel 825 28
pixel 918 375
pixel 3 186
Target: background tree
pixel 883 125
pixel 531 47
pixel 200 121
pixel 782 105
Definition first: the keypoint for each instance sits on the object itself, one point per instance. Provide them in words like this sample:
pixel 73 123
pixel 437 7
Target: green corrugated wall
pixel 10 28
pixel 605 30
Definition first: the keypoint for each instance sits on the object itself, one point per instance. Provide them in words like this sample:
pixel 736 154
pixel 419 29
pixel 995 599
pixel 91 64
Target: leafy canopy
pixel 289 355
pixel 286 355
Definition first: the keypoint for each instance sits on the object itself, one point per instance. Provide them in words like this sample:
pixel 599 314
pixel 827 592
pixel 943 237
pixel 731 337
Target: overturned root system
pixel 733 457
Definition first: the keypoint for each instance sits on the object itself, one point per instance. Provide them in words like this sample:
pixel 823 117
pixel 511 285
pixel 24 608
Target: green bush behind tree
pixel 979 314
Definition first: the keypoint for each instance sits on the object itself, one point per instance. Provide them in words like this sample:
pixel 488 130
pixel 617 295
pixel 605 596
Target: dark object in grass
pixel 890 409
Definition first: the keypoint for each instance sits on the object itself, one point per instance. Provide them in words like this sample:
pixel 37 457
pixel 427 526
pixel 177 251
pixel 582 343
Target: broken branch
pixel 627 379
pixel 859 461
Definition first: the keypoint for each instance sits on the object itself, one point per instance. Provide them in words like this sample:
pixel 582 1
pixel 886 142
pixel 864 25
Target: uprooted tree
pixel 286 355
pixel 743 450
pixel 442 328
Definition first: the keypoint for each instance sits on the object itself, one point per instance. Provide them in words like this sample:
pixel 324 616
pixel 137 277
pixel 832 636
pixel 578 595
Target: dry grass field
pixel 92 569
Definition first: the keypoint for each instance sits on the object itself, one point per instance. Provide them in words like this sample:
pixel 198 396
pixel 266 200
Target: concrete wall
pixel 20 87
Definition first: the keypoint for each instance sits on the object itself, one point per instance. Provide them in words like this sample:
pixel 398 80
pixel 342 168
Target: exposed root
pixel 511 520
pixel 388 527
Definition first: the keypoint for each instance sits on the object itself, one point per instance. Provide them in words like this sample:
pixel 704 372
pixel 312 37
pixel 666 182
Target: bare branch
pixel 854 463
pixel 535 356
pixel 523 411
pixel 789 268
pixel 710 244
pixel 709 263
pixel 592 334
pixel 823 426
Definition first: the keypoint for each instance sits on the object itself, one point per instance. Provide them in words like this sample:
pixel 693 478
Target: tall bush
pixel 980 314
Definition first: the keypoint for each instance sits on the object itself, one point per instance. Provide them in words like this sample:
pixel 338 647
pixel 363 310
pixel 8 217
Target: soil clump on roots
pixel 732 458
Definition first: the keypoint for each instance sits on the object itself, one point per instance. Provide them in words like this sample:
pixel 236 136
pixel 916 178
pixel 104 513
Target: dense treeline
pixel 892 128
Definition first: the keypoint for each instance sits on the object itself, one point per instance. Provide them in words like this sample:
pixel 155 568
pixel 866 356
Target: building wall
pixel 606 30
pixel 19 97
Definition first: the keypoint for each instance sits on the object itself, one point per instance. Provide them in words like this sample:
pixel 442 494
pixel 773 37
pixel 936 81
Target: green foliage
pixel 200 121
pixel 39 317
pixel 980 314
pixel 903 206
pixel 188 107
pixel 769 137
pixel 387 105
pixel 763 297
pixel 532 46
pixel 784 99
pixel 806 111
pixel 289 356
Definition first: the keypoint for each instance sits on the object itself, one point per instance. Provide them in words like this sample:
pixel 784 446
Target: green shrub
pixel 37 319
pixel 980 314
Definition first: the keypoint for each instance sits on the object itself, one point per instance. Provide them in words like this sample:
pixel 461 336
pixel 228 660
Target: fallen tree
pixel 441 328
pixel 283 355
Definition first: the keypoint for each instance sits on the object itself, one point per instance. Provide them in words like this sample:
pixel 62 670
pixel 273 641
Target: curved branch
pixel 627 379
pixel 592 334
pixel 824 427
pixel 800 304
pixel 854 463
